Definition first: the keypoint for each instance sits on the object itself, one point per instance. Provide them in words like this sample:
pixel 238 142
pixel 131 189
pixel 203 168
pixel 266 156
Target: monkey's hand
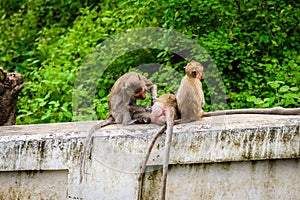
pixel 148 109
pixel 143 120
pixel 153 101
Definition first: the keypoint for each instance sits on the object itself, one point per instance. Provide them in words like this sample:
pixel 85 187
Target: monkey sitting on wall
pixel 190 98
pixel 122 104
pixel 158 113
pixel 164 112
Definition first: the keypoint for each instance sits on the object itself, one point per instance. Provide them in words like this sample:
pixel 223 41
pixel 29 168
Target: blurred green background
pixel 254 44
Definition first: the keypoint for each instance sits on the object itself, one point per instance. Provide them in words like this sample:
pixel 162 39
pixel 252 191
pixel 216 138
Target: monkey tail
pixel 108 121
pixel 143 167
pixel 266 111
pixel 169 133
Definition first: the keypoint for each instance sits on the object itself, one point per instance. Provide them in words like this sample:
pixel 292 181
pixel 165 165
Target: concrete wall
pixel 227 157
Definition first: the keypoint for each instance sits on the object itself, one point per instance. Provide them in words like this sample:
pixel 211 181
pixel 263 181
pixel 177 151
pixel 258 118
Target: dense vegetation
pixel 254 44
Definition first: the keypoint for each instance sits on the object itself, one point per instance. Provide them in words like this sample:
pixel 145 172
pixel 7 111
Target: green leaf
pixel 283 89
pixel 258 101
pixel 275 84
pixel 251 98
pixel 294 89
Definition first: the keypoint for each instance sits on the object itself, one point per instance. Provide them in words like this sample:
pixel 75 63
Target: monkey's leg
pixel 142 117
pixel 169 133
pixel 153 94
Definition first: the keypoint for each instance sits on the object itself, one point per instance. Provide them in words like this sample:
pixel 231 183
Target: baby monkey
pixel 190 98
pixel 122 104
pixel 164 112
pixel 158 113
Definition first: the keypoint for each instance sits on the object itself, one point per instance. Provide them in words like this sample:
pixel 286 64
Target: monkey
pixel 190 98
pixel 158 113
pixel 123 108
pixel 164 112
pixel 127 89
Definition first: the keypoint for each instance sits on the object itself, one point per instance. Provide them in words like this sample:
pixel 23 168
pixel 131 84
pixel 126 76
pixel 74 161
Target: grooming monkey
pixel 122 105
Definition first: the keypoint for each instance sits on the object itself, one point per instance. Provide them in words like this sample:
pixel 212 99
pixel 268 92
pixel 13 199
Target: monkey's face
pixel 140 93
pixel 194 70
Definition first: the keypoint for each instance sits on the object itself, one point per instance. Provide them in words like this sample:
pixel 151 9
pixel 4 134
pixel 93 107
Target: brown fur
pixel 122 106
pixel 158 114
pixel 190 96
pixel 126 90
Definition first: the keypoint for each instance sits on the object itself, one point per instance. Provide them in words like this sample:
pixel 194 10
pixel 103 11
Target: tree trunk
pixel 10 86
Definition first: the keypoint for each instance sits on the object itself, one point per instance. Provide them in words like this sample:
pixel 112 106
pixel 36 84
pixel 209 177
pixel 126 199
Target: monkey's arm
pixel 267 111
pixel 152 88
pixel 139 108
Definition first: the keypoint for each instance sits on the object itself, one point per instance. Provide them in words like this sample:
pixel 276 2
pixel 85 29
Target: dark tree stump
pixel 10 86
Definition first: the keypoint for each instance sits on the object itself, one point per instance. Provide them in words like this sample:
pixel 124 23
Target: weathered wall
pixel 232 157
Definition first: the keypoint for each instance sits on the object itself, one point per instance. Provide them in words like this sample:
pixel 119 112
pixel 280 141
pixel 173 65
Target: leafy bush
pixel 254 44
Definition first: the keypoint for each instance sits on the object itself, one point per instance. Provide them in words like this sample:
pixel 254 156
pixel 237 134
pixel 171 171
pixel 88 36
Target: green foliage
pixel 254 44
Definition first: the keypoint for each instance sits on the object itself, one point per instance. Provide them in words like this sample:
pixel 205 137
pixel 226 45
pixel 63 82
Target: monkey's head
pixel 140 92
pixel 194 70
pixel 168 100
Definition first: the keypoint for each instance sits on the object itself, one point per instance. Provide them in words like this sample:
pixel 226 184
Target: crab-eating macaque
pixel 125 92
pixel 122 106
pixel 164 111
pixel 190 96
pixel 159 116
pixel 158 113
pixel 169 113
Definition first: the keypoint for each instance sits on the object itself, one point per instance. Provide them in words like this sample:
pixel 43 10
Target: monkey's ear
pixel 203 76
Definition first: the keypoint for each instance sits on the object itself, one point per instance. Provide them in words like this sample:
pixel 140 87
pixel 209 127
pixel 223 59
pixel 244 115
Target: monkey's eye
pixel 138 90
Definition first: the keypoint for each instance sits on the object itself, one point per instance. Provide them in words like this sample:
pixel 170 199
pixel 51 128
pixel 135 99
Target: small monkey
pixel 158 113
pixel 190 96
pixel 122 105
pixel 164 111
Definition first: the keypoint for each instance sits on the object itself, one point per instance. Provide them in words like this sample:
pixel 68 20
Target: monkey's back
pixel 121 96
pixel 190 99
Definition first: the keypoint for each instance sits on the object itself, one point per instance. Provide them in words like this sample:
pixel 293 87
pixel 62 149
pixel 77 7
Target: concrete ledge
pixel 199 149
